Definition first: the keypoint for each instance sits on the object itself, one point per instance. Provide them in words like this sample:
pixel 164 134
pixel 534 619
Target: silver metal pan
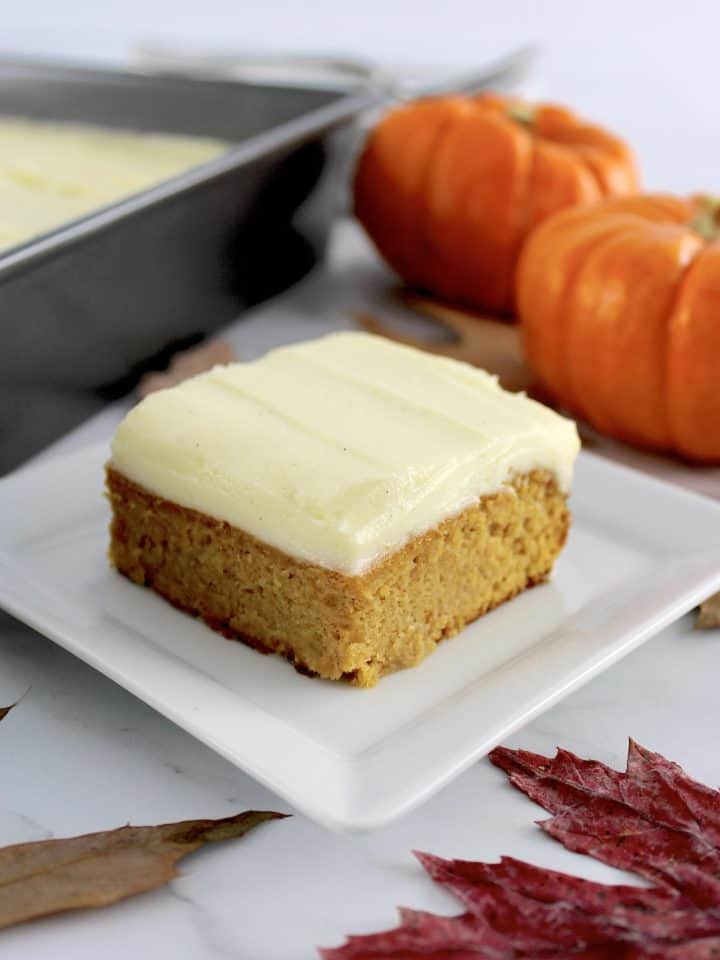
pixel 86 307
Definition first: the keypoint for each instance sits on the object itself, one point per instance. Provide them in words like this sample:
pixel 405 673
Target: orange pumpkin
pixel 620 312
pixel 448 187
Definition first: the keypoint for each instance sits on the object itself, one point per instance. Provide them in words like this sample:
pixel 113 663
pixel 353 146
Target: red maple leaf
pixel 652 819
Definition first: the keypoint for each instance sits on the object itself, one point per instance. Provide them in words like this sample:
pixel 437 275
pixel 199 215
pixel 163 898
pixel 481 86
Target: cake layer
pixel 340 450
pixel 327 623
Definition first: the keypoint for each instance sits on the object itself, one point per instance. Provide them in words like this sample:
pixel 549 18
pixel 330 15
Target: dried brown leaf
pixel 50 876
pixel 709 614
pixel 481 340
pixel 4 711
pixel 186 364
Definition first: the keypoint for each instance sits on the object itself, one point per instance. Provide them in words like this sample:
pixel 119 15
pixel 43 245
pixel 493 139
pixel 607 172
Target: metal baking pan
pixel 85 308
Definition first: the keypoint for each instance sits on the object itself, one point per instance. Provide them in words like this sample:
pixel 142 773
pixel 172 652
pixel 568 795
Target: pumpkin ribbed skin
pixel 620 312
pixel 448 188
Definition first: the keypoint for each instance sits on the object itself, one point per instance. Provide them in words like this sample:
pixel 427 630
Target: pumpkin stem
pixel 521 112
pixel 706 221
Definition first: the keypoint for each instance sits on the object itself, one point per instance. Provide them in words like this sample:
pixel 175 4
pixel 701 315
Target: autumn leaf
pixel 651 819
pixel 4 711
pixel 709 616
pixel 475 338
pixel 187 363
pixel 558 910
pixel 50 876
pixel 514 909
pixel 419 935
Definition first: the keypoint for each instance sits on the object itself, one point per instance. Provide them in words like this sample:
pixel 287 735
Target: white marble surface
pixel 81 754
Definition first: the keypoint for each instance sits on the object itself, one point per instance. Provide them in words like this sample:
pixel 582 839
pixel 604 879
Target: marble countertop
pixel 81 754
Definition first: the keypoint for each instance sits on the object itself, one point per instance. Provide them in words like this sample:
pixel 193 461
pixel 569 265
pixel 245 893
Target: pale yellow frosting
pixel 51 173
pixel 339 450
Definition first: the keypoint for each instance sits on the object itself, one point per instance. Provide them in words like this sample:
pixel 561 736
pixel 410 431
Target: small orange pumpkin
pixel 620 312
pixel 448 187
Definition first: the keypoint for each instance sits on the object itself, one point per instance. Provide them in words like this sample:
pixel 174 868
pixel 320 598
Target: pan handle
pixel 507 72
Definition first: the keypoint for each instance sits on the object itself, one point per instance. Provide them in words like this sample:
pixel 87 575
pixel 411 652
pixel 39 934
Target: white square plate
pixel 640 554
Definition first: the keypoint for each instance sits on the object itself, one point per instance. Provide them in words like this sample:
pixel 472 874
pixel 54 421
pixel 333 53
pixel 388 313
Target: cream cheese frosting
pixel 51 173
pixel 339 450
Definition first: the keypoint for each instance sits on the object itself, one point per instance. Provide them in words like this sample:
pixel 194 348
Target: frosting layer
pixel 339 450
pixel 51 173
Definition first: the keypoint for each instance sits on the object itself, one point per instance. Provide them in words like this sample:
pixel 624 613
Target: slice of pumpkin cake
pixel 346 503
